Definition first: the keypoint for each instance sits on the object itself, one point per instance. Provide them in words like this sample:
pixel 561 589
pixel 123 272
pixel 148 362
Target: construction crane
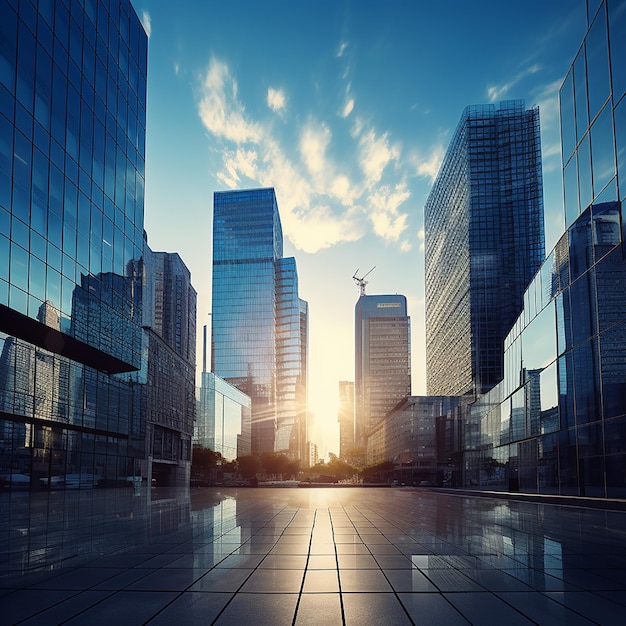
pixel 361 282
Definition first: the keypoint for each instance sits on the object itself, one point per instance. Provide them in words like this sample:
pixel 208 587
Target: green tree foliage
pixel 338 468
pixel 204 461
pixel 377 473
pixel 249 466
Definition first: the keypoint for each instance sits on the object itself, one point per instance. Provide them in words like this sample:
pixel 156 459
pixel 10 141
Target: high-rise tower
pixel 259 323
pixel 484 239
pixel 72 150
pixel 382 375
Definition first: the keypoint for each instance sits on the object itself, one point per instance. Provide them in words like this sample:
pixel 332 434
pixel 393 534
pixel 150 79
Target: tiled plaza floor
pixel 307 556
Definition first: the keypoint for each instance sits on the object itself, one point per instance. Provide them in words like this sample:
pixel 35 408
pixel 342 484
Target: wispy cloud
pixel 276 99
pixel 496 92
pixel 220 110
pixel 146 22
pixel 342 48
pixel 323 200
pixel 348 107
pixel 375 153
pixel 429 167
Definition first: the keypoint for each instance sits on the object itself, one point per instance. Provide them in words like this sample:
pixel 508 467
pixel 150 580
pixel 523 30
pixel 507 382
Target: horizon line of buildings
pixel 526 354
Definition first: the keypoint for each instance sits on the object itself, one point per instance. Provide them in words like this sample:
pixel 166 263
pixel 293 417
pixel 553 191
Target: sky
pixel 346 108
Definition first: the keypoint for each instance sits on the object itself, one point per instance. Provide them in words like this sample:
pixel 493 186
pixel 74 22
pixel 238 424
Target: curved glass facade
pixel 557 422
pixel 72 135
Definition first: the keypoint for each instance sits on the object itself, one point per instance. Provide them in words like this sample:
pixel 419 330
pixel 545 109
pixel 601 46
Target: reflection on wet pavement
pixel 306 556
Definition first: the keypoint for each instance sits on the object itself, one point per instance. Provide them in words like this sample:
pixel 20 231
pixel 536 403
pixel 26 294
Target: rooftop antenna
pixel 361 282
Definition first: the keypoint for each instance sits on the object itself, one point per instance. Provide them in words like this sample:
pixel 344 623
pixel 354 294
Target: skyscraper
pixel 345 417
pixel 259 323
pixel 72 135
pixel 484 240
pixel 382 373
pixel 169 372
pixel 557 422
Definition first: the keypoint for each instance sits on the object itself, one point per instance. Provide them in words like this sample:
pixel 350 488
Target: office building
pixel 72 135
pixel 223 418
pixel 408 436
pixel 259 323
pixel 382 360
pixel 484 242
pixel 167 377
pixel 557 422
pixel 345 417
pixel 223 415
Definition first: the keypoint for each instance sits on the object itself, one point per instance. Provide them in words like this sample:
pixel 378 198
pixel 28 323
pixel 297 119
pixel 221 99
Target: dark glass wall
pixel 484 242
pixel 558 422
pixel 72 135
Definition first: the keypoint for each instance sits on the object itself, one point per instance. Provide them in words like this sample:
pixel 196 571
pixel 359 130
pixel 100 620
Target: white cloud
pixel 496 92
pixel 387 221
pixel 429 167
pixel 313 144
pixel 220 111
pixel 146 22
pixel 322 201
pixel 348 107
pixel 275 99
pixel 342 48
pixel 375 154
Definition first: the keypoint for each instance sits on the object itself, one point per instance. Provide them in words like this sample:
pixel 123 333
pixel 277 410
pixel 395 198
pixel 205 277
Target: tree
pixel 249 466
pixel 204 461
pixel 273 463
pixel 377 473
pixel 338 468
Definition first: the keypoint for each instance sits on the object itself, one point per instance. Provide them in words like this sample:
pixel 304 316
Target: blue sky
pixel 346 108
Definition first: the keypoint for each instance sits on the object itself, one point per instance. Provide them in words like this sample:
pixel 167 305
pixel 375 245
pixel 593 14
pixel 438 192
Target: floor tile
pixel 486 609
pixel 274 581
pixel 192 609
pixel 321 581
pixel 319 609
pixel 368 608
pixel 222 580
pixel 431 608
pixel 542 609
pixel 274 609
pixel 67 609
pixel 124 607
pixel 363 580
pixel 409 581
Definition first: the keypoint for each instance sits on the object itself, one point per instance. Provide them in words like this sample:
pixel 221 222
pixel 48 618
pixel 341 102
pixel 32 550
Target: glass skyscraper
pixel 484 242
pixel 557 422
pixel 72 135
pixel 259 323
pixel 382 374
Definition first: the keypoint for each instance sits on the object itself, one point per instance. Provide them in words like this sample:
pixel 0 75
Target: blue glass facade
pixel 223 418
pixel 258 321
pixel 557 422
pixel 484 242
pixel 72 135
pixel 382 370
